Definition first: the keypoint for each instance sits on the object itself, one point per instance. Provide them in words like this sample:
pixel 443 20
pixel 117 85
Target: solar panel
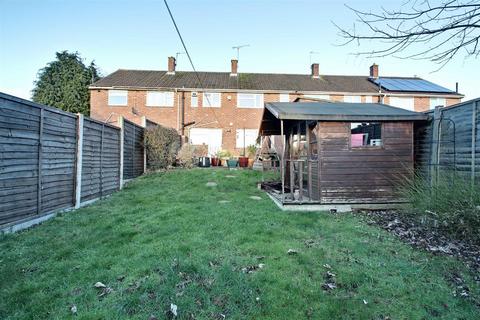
pixel 417 85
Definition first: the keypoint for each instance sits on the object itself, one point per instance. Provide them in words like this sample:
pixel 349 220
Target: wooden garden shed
pixel 341 153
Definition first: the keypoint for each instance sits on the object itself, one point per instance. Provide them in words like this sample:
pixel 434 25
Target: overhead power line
pixel 189 57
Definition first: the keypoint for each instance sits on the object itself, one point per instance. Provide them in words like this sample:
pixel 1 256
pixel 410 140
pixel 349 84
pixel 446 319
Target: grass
pixel 451 200
pixel 166 239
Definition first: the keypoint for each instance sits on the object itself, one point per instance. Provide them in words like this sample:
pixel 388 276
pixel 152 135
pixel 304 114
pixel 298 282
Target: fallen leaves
pixel 253 268
pixel 292 252
pixel 103 290
pixel 330 280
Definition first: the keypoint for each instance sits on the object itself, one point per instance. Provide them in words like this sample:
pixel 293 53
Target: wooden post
pixel 282 162
pixel 292 179
pixel 309 182
pixel 122 133
pixel 40 147
pixel 435 152
pixel 78 161
pixel 300 180
pixel 144 125
pixel 474 142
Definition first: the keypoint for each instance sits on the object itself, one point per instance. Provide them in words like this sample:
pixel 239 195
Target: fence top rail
pixel 101 123
pixel 461 104
pixel 51 109
pixel 132 123
pixel 36 105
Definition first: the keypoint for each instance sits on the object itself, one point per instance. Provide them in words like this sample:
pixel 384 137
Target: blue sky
pixel 139 35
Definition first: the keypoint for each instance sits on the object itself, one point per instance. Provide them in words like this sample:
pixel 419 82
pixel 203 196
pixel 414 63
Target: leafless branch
pixel 419 30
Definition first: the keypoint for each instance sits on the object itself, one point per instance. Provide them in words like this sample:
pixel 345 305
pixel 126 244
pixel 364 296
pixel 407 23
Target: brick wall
pixel 228 117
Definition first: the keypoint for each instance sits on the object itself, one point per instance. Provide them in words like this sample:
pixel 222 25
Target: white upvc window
pixel 250 100
pixel 194 99
pixel 368 99
pixel 159 99
pixel 249 136
pixel 212 99
pixel 403 102
pixel 284 97
pixel 318 96
pixel 436 101
pixel 352 99
pixel 117 97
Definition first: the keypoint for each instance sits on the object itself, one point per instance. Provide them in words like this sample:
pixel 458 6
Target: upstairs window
pixel 318 96
pixel 352 99
pixel 366 134
pixel 212 99
pixel 284 97
pixel 159 99
pixel 435 102
pixel 249 100
pixel 117 97
pixel 194 100
pixel 403 102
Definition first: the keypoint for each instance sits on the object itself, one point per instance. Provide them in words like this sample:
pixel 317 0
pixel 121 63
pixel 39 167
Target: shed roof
pixel 341 111
pixel 332 111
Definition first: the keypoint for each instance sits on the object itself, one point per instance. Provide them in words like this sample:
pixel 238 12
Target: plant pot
pixel 250 163
pixel 243 162
pixel 232 163
pixel 215 162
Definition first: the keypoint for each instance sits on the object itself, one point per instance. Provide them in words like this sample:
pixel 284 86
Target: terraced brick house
pixel 224 109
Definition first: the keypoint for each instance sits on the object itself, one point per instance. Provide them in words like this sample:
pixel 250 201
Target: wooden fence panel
pixel 38 159
pixel 101 161
pixel 132 150
pixel 454 146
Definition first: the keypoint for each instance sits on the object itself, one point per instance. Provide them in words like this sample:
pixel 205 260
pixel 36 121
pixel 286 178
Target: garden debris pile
pixel 430 239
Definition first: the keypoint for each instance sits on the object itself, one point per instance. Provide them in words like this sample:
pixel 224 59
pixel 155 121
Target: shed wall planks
pixel 38 159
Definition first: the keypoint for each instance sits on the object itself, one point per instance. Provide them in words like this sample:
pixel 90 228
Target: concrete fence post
pixel 79 160
pixel 144 125
pixel 122 134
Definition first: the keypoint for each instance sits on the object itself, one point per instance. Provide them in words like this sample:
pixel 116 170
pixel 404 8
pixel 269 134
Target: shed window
pixel 117 97
pixel 366 134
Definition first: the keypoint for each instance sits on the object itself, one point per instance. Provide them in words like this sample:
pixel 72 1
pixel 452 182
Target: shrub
pixel 451 203
pixel 162 145
pixel 224 154
pixel 186 156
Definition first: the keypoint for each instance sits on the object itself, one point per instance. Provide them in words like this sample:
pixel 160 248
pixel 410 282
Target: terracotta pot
pixel 215 162
pixel 243 162
pixel 250 163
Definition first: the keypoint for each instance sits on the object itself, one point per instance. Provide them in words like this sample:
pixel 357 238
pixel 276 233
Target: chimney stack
pixel 171 65
pixel 234 71
pixel 374 71
pixel 315 71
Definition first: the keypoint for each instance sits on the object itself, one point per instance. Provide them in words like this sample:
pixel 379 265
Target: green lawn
pixel 166 238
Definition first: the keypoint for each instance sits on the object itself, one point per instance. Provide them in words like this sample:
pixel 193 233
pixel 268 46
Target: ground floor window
pixel 365 134
pixel 208 136
pixel 246 137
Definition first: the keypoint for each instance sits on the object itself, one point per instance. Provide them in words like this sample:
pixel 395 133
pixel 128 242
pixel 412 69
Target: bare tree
pixel 419 30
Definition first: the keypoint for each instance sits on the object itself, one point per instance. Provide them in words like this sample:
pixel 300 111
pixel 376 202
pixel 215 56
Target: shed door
pixel 210 137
